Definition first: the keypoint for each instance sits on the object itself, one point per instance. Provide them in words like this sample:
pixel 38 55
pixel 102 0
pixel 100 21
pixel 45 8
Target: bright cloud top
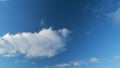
pixel 45 43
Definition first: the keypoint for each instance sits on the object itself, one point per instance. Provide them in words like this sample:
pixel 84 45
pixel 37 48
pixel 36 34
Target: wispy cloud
pixel 19 61
pixel 115 16
pixel 3 0
pixel 66 65
pixel 42 22
pixel 75 63
pixel 45 43
pixel 116 57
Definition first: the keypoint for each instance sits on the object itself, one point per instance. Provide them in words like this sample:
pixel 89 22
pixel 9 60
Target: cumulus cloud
pixel 45 43
pixel 94 60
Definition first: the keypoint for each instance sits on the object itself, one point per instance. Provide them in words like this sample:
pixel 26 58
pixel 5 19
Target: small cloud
pixel 64 32
pixel 33 63
pixel 77 63
pixel 19 61
pixel 42 22
pixel 66 65
pixel 63 65
pixel 94 60
pixel 116 57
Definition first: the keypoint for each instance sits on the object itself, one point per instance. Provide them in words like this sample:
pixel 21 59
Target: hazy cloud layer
pixel 45 43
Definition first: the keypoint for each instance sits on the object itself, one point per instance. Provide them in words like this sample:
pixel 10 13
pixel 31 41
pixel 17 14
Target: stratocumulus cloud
pixel 45 43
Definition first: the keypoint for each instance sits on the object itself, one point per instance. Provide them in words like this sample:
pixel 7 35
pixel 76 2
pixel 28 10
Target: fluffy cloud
pixel 94 60
pixel 45 43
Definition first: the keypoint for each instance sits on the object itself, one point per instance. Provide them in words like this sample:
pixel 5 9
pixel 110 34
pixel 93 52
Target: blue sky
pixel 59 33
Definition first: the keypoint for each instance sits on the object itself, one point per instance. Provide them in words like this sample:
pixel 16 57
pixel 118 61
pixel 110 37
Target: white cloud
pixel 64 32
pixel 45 43
pixel 66 65
pixel 76 63
pixel 115 16
pixel 94 60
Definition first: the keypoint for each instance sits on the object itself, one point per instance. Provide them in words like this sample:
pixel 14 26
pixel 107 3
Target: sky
pixel 59 33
